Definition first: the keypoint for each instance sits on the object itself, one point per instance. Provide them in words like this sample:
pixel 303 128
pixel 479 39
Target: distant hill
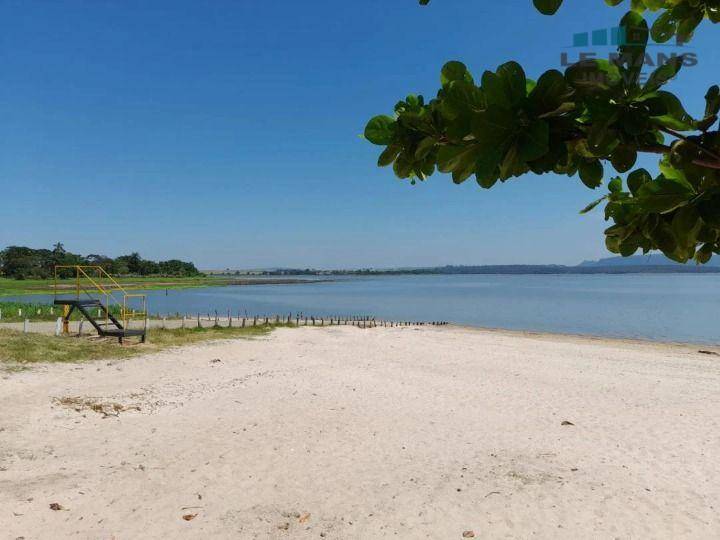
pixel 653 259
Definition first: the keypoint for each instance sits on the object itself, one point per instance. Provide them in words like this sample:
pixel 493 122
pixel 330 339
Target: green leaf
pixel 514 81
pixel 459 160
pixel 425 147
pixel 632 53
pixel 403 167
pixel 511 164
pixel 686 225
pixel 486 171
pixel 687 26
pixel 663 74
pixel 664 194
pixel 494 90
pixel 488 181
pixel 713 12
pixel 664 27
pixel 533 143
pixel 454 71
pixel 593 76
pixel 675 116
pixel 461 98
pixel 547 7
pixel 710 211
pixel 615 185
pixel 550 93
pixel 601 139
pixel 388 155
pixel 712 101
pixel 591 173
pixel 494 126
pixel 704 254
pixel 590 207
pixel 380 130
pixel 637 179
pixel 623 158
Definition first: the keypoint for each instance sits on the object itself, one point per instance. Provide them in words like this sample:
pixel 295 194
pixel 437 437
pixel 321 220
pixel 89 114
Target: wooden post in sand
pixel 26 323
pixel 229 319
pixel 198 321
pixel 58 326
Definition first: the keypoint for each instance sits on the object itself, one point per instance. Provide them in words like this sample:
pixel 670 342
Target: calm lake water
pixel 660 307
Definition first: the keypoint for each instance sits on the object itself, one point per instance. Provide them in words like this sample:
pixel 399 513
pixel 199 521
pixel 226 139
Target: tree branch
pixel 707 164
pixel 674 133
pixel 655 149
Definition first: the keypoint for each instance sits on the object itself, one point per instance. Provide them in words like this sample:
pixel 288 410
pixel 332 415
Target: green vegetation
pixel 598 113
pixel 19 311
pixel 18 349
pixel 678 18
pixel 19 262
pixel 13 287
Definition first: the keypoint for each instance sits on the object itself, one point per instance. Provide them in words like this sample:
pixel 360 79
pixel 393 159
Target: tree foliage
pixel 677 17
pixel 595 117
pixel 21 262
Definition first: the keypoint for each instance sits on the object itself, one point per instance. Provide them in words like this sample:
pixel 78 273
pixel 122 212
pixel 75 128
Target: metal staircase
pixel 100 299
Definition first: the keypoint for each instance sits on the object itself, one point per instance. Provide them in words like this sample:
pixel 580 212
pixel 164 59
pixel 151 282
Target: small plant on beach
pixel 596 116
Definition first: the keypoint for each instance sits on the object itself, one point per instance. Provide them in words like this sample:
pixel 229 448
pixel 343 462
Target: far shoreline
pixel 45 287
pixel 712 347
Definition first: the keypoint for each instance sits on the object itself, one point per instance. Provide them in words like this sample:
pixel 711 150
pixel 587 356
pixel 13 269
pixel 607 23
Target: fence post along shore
pixel 33 314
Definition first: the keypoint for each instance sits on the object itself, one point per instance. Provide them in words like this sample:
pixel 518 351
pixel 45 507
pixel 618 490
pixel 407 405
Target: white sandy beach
pixel 343 433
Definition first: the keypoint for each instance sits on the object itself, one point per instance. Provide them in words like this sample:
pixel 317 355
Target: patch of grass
pixel 18 349
pixel 12 287
pixel 163 339
pixel 19 311
pixel 17 287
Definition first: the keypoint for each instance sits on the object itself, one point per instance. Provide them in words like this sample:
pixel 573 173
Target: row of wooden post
pixel 300 320
pixel 360 322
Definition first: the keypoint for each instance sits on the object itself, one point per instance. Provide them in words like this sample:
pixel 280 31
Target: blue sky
pixel 226 132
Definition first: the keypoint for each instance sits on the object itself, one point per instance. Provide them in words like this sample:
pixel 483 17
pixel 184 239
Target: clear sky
pixel 227 132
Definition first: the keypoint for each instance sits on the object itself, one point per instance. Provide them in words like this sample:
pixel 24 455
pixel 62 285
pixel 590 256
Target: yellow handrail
pixel 125 313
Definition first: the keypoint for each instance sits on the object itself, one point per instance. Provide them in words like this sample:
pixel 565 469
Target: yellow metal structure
pixel 95 283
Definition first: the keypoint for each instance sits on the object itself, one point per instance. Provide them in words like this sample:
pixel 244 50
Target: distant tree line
pixel 507 269
pixel 19 262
